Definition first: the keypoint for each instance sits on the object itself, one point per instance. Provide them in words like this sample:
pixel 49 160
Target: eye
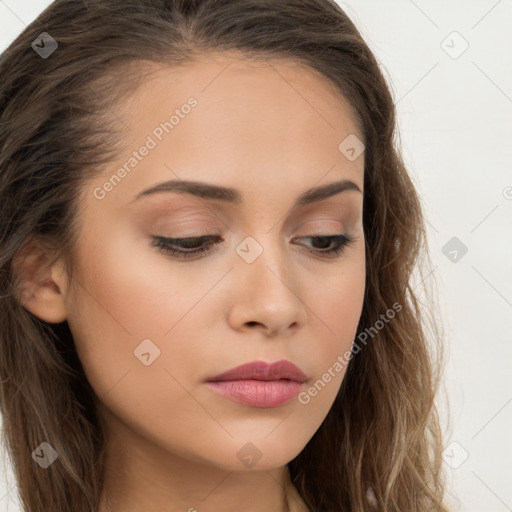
pixel 330 245
pixel 183 247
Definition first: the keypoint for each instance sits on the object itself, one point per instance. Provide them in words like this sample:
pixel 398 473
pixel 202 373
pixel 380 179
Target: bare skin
pixel 270 130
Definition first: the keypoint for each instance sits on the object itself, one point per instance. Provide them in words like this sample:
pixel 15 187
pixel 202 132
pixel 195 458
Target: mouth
pixel 260 384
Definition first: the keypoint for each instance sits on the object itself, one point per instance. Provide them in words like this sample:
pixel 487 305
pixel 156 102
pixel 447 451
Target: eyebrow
pixel 233 196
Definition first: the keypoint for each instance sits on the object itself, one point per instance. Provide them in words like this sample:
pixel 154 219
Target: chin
pixel 258 455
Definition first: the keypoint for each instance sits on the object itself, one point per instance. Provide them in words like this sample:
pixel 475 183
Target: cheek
pixel 114 307
pixel 335 311
pixel 129 289
pixel 120 303
pixel 130 293
pixel 337 302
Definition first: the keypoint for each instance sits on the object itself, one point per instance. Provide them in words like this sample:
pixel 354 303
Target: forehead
pixel 252 122
pixel 226 81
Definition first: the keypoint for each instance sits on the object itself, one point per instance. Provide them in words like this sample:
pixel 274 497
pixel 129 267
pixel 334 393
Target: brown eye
pixel 340 242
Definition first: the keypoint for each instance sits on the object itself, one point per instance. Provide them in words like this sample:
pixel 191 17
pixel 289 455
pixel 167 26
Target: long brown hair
pixel 379 448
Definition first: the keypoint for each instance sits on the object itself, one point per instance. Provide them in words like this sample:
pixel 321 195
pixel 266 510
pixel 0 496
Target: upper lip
pixel 260 370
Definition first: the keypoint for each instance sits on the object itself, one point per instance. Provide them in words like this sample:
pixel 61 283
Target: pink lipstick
pixel 260 384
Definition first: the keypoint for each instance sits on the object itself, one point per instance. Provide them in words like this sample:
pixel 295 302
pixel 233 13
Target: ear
pixel 42 284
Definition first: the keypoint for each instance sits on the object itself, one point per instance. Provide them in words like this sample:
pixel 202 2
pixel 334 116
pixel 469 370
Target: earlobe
pixel 42 286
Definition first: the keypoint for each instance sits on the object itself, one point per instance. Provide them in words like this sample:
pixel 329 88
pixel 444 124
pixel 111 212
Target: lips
pixel 259 370
pixel 260 384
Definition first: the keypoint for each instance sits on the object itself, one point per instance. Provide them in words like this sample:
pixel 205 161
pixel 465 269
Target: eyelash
pixel 166 245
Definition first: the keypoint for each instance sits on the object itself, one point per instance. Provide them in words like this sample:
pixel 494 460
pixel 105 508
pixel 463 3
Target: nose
pixel 267 296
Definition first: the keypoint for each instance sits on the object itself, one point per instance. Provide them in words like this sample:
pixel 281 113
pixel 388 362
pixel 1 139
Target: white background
pixel 455 118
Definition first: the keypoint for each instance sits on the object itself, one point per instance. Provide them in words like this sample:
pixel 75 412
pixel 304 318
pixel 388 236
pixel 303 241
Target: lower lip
pixel 258 393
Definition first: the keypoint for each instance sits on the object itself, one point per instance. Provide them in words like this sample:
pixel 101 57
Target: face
pixel 152 326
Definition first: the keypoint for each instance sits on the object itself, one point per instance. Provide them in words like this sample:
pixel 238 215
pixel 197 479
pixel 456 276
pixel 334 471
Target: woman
pixel 208 239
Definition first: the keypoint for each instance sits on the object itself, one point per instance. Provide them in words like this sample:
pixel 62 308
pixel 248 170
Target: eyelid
pixel 181 232
pixel 323 227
